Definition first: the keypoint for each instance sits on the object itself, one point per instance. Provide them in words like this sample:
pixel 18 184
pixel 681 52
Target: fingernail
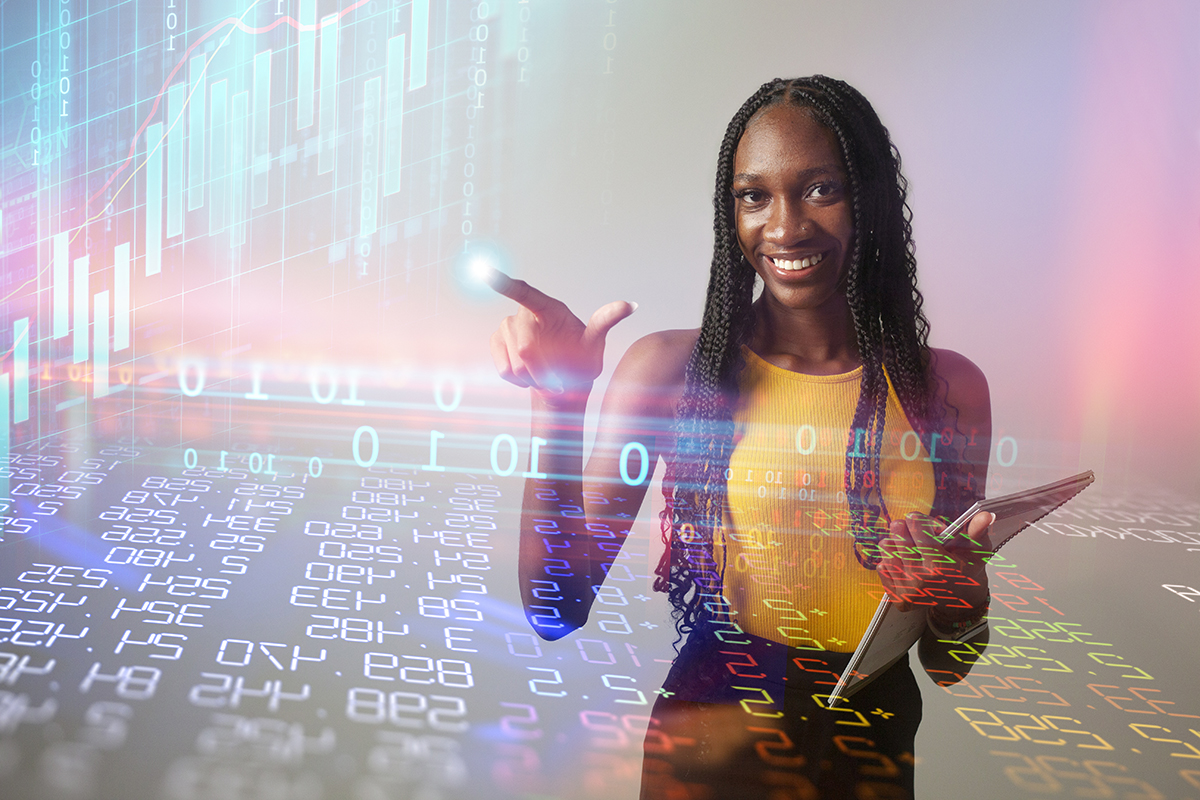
pixel 993 521
pixel 635 305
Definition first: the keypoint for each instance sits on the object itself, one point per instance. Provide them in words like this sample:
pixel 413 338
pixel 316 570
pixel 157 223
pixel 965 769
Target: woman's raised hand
pixel 544 346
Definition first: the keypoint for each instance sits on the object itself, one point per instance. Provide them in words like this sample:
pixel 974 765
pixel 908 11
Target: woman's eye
pixel 824 190
pixel 748 195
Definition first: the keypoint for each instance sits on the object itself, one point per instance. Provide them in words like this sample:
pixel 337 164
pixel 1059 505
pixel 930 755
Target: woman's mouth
pixel 795 265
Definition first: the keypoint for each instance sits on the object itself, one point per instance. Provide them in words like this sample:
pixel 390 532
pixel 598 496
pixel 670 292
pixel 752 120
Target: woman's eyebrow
pixel 823 169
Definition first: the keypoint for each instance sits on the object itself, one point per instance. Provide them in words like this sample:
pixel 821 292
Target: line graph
pixel 199 133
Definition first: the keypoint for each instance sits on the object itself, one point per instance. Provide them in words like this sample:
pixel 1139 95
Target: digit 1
pixel 353 400
pixel 255 392
pixel 933 440
pixel 223 468
pixel 858 432
pixel 631 648
pixel 433 440
pixel 534 446
pixel 270 470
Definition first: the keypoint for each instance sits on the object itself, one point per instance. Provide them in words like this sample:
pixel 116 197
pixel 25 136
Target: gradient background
pixel 1053 152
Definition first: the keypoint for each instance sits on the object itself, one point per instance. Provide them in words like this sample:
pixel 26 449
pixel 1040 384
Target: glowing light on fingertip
pixel 480 268
pixel 476 265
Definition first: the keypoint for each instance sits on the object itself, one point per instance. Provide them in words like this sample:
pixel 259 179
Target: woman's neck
pixel 813 341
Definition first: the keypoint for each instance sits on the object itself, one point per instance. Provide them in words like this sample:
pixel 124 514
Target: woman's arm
pixel 962 388
pixel 574 523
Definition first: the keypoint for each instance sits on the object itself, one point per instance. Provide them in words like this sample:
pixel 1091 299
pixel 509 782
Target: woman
pixel 813 442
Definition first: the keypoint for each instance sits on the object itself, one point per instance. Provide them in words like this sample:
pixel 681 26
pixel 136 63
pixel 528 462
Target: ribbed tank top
pixel 787 551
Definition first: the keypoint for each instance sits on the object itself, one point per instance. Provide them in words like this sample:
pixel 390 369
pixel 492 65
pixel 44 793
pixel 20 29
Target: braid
pixel 891 332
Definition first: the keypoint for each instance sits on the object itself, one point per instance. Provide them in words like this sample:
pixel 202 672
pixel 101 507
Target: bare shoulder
pixel 650 376
pixel 964 385
pixel 664 354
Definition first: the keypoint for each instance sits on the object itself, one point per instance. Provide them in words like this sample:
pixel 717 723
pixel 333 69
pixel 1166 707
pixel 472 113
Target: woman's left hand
pixel 948 578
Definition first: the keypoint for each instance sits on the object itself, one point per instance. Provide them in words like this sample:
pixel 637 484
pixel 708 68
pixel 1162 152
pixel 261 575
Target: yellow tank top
pixel 787 551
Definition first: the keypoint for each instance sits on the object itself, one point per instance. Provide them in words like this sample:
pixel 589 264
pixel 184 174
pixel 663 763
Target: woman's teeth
pixel 804 263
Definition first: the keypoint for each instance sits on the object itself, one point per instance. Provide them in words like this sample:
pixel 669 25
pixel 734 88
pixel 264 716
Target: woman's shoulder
pixel 650 376
pixel 661 357
pixel 963 383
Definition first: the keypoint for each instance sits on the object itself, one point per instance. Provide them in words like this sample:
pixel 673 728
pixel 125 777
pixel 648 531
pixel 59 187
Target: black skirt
pixel 743 717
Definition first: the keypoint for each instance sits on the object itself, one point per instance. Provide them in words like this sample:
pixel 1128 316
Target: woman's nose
pixel 787 224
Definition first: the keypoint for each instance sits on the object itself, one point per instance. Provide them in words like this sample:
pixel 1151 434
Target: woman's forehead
pixel 785 134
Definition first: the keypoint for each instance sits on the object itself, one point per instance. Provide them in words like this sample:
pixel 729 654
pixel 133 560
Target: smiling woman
pixel 793 214
pixel 778 546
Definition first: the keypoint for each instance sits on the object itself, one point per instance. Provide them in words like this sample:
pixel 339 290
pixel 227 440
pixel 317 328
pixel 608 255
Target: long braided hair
pixel 890 328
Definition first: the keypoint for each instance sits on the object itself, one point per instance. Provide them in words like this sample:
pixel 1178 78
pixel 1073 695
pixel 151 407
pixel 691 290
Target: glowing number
pixel 314 384
pixel 256 390
pixel 367 429
pixel 933 442
pixel 916 446
pixel 315 467
pixel 535 445
pixel 183 384
pixel 433 440
pixel 1000 449
pixel 513 638
pixel 557 681
pixel 512 456
pixel 645 465
pixel 245 657
pixel 190 459
pixel 583 652
pixel 800 448
pixel 438 385
pixel 641 701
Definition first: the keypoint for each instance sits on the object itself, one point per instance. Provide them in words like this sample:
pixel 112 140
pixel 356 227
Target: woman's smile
pixel 791 207
pixel 797 263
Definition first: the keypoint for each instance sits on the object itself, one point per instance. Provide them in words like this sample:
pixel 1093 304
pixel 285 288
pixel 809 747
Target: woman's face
pixel 792 207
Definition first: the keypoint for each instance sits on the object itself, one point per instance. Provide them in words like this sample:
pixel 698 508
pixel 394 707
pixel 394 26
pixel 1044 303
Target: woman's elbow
pixel 550 624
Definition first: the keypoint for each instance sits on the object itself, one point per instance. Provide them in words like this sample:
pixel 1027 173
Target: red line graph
pixel 235 22
pixel 231 21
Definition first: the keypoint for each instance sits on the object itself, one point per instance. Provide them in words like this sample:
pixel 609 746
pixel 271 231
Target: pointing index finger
pixel 513 289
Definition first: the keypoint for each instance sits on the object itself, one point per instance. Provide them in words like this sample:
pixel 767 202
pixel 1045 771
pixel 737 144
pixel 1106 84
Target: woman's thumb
pixel 606 317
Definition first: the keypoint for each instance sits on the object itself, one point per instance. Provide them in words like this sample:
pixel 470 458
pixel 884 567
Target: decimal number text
pixel 382 553
pixel 34 601
pixel 351 629
pixel 229 692
pixel 407 710
pixel 344 530
pixel 449 672
pixel 78 577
